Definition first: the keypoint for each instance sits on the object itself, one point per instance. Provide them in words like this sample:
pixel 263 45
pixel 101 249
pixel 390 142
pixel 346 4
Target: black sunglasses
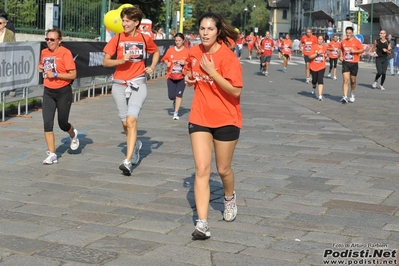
pixel 50 39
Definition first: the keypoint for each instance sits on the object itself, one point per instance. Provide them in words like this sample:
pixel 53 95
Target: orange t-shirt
pixel 211 105
pixel 286 46
pixel 319 62
pixel 336 46
pixel 307 43
pixel 134 45
pixel 347 45
pixel 174 56
pixel 59 61
pixel 267 46
pixel 251 40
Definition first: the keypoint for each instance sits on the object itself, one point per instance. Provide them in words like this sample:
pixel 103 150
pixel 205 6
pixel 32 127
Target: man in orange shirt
pixel 251 43
pixel 265 50
pixel 333 47
pixel 351 49
pixel 305 45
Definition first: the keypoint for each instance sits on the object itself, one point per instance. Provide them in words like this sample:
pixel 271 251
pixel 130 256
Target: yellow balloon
pixel 124 6
pixel 113 21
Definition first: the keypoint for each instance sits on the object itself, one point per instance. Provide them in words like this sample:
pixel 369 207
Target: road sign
pixel 329 32
pixel 359 37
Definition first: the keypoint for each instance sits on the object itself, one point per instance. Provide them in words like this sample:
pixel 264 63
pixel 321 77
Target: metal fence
pixel 81 19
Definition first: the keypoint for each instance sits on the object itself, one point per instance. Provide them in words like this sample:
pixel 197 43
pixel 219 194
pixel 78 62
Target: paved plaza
pixel 313 180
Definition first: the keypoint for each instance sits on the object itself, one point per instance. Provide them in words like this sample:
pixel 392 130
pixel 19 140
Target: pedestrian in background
pixel 382 49
pixel 59 70
pixel 10 23
pixel 6 35
pixel 351 49
pixel 391 56
pixel 175 59
pixel 215 118
pixel 129 88
pixel 318 56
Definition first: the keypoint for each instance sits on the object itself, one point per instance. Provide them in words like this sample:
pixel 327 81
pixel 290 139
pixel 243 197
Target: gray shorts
pixel 129 106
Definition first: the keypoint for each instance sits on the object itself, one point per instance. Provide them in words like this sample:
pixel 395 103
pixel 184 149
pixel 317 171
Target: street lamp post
pixel 253 23
pixel 245 20
pixel 274 19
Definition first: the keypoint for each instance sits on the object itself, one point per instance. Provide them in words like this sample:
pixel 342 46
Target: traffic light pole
pixel 371 24
pixel 181 16
pixel 359 20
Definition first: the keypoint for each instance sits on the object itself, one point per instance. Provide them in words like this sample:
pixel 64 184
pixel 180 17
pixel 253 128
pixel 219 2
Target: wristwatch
pixel 55 75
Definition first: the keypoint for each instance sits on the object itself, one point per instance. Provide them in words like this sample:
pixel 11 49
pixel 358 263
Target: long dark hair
pixel 225 30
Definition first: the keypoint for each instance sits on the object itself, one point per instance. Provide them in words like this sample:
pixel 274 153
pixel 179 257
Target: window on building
pixel 285 14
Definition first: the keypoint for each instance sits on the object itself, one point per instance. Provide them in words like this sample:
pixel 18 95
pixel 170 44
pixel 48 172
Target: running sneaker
pixel 51 158
pixel 307 80
pixel 382 88
pixel 320 98
pixel 375 84
pixel 329 75
pixel 334 78
pixel 266 74
pixel 126 167
pixel 74 141
pixel 284 70
pixel 313 91
pixel 201 231
pixel 176 116
pixel 136 153
pixel 230 209
pixel 344 99
pixel 352 98
pixel 250 57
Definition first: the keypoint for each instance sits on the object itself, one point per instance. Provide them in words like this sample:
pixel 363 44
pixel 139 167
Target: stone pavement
pixel 310 176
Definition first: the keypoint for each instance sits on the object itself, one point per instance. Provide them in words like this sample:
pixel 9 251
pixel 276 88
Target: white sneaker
pixel 176 116
pixel 126 167
pixel 313 91
pixel 74 141
pixel 375 84
pixel 320 98
pixel 136 153
pixel 329 75
pixel 352 98
pixel 344 99
pixel 334 78
pixel 307 80
pixel 266 74
pixel 230 209
pixel 382 88
pixel 51 158
pixel 201 231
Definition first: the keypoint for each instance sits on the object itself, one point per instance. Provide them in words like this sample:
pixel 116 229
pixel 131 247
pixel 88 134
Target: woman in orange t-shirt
pixel 215 118
pixel 129 88
pixel 286 50
pixel 175 59
pixel 318 56
pixel 59 70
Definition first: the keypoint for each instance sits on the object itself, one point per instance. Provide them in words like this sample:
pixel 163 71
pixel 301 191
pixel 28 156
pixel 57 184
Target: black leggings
pixel 333 63
pixel 317 77
pixel 60 100
pixel 381 63
pixel 175 88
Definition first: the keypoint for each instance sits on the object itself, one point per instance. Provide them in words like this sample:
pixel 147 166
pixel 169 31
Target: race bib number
pixel 348 56
pixel 136 51
pixel 308 47
pixel 49 64
pixel 319 58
